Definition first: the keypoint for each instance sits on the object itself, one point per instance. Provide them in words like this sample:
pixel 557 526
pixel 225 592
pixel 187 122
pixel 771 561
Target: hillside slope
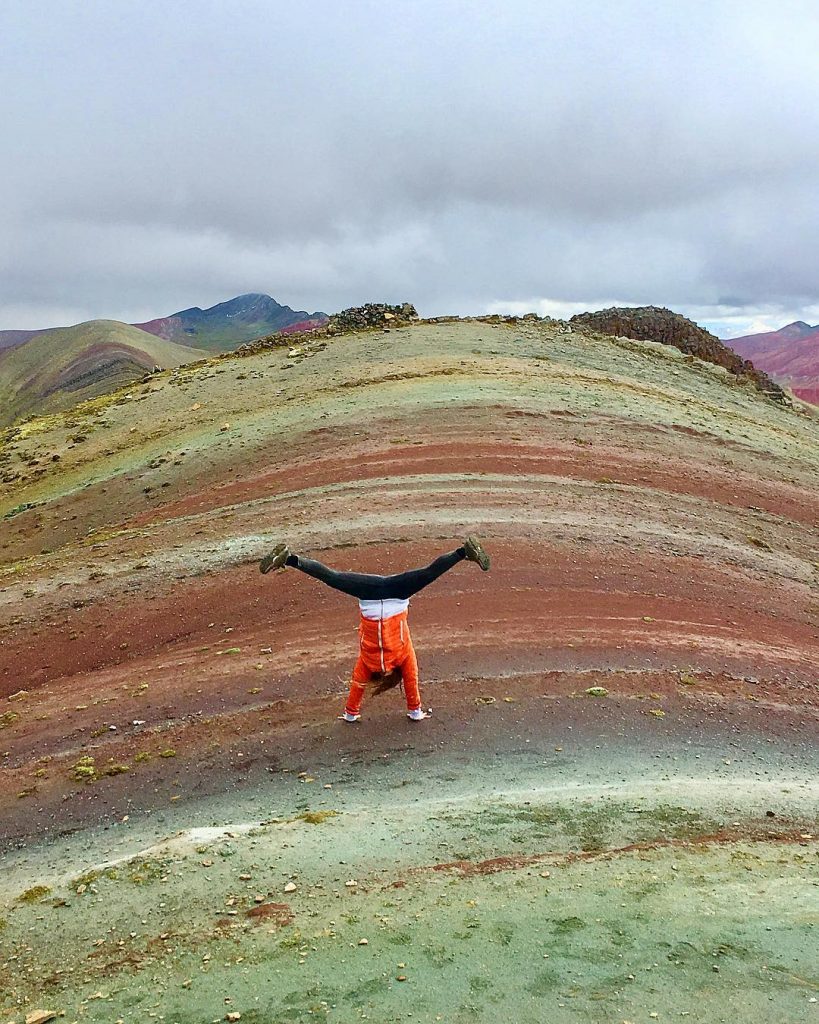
pixel 620 771
pixel 10 339
pixel 790 355
pixel 58 369
pixel 219 328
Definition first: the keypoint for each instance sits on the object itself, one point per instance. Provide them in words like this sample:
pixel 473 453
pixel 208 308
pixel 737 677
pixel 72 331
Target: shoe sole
pixel 275 560
pixel 478 554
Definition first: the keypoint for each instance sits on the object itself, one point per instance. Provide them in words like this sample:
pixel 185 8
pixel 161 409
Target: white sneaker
pixel 419 714
pixel 347 717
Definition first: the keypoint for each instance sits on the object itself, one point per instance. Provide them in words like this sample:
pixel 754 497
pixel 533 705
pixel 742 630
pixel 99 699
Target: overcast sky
pixel 554 155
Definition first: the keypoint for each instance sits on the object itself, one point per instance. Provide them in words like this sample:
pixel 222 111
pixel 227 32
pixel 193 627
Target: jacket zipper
pixel 380 643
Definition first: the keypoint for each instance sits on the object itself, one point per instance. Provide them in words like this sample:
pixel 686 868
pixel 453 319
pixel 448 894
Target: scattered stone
pixel 40 1016
pixel 290 887
pixel 363 942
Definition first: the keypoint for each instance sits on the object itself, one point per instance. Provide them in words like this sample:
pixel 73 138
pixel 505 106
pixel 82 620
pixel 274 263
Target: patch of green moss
pixel 292 941
pixel 85 769
pixel 170 752
pixel 315 817
pixel 34 894
pixel 86 879
pixel 147 870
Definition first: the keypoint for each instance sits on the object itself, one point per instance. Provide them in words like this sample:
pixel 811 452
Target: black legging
pixel 369 587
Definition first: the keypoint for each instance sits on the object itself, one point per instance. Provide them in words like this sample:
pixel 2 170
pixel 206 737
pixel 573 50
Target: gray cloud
pixel 460 154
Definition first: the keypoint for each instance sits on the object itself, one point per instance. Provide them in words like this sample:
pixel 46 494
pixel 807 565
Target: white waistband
pixel 384 609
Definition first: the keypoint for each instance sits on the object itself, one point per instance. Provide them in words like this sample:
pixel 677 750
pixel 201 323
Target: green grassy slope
pixel 60 368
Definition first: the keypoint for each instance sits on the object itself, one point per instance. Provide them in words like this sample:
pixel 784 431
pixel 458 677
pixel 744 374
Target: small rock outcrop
pixel 371 316
pixel 655 323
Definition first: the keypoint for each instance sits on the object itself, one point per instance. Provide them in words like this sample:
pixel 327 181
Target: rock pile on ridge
pixel 655 323
pixel 370 316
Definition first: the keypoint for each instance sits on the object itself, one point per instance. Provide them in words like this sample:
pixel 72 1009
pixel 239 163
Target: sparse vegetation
pixel 34 894
pixel 315 817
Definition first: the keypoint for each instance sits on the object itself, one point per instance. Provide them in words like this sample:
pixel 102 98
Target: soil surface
pixel 168 714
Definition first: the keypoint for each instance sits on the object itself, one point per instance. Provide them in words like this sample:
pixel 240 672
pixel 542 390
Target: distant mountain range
pixel 229 324
pixel 789 355
pixel 52 370
pixel 219 329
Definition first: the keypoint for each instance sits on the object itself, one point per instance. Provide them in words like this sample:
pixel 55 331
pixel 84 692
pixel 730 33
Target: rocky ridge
pixel 656 323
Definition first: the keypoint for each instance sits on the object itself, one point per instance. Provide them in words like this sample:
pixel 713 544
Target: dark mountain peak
pixel 251 307
pixel 798 329
pixel 233 322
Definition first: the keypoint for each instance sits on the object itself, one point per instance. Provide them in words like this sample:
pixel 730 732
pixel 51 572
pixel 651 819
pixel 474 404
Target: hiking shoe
pixel 418 715
pixel 475 553
pixel 347 717
pixel 276 559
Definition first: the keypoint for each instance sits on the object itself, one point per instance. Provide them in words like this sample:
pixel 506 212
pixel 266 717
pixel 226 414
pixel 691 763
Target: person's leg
pixel 369 587
pixel 409 674
pixel 404 584
pixel 364 586
pixel 372 587
pixel 357 687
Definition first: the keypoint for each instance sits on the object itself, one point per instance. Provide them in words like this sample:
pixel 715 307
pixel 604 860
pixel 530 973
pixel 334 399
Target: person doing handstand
pixel 386 653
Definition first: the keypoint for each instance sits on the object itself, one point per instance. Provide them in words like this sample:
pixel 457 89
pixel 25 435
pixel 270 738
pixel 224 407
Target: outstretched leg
pixel 369 586
pixel 404 584
pixel 364 586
